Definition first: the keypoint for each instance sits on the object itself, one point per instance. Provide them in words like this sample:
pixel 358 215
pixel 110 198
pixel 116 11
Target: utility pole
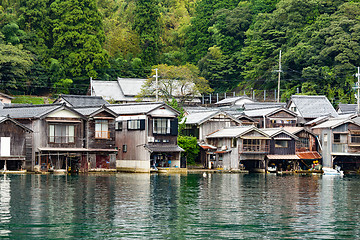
pixel 279 71
pixel 358 90
pixel 156 84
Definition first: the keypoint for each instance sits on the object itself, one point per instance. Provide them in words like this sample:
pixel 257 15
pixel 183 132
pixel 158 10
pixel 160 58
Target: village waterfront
pixel 179 206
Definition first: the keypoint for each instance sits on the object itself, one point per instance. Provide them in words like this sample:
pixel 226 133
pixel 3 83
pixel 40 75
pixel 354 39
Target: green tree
pixel 189 144
pixel 147 26
pixel 78 38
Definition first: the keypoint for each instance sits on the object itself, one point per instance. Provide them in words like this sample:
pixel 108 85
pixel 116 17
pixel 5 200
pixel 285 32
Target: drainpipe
pixel 264 121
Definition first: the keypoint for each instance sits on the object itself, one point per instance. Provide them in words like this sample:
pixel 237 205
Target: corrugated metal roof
pixel 313 106
pixel 260 112
pixel 333 122
pixel 262 105
pixel 309 155
pixel 164 148
pixel 232 100
pixel 207 146
pixel 282 157
pixel 134 108
pixel 235 132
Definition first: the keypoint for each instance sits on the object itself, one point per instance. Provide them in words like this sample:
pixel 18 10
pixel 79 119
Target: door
pixel 5 146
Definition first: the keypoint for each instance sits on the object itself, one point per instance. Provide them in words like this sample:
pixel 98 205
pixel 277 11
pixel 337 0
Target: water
pixel 220 206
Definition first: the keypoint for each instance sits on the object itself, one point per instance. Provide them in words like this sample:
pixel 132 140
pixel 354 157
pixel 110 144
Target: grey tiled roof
pixel 83 100
pixel 28 111
pixel 196 118
pixel 347 108
pixel 164 148
pixel 313 106
pixel 3 119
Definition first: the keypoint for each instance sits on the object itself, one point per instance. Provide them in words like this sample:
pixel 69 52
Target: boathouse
pixel 237 147
pixel 340 142
pixel 15 145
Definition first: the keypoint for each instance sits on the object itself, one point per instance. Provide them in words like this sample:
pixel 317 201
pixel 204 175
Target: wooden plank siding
pixel 289 150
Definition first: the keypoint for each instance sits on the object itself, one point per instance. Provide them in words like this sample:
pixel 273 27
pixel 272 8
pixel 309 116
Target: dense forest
pixel 53 46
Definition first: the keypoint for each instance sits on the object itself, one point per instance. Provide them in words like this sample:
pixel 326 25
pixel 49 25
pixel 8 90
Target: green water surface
pixel 193 206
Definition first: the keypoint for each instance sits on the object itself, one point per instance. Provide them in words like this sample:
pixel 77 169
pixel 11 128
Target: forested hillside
pixel 53 46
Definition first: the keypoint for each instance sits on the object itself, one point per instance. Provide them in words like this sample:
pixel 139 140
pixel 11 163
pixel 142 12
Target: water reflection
pixel 179 206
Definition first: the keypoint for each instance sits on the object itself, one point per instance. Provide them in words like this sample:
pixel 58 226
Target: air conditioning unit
pixel 151 139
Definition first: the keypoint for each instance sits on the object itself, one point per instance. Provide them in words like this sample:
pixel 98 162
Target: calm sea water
pixel 221 206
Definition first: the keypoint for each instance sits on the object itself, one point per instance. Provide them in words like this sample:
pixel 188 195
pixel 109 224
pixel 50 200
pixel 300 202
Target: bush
pixel 189 144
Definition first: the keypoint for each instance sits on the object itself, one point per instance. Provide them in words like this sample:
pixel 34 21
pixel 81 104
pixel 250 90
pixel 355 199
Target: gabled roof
pixel 81 100
pixel 109 90
pixel 267 112
pixel 93 111
pixel 7 118
pixel 272 132
pixel 347 108
pixel 317 120
pixel 335 122
pixel 138 108
pixel 232 100
pixel 234 132
pixel 262 105
pixel 296 130
pixel 240 116
pixel 201 117
pixel 33 111
pixel 312 106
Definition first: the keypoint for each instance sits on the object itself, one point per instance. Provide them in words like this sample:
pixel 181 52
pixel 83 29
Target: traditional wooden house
pixel 340 142
pixel 310 107
pixel 146 137
pixel 100 138
pixel 64 139
pixel 306 148
pixel 273 117
pixel 282 149
pixel 15 144
pixel 201 124
pixel 244 145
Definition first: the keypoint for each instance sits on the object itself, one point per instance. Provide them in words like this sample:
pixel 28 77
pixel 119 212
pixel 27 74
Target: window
pixel 281 143
pixel 234 142
pixel 119 125
pixel 61 133
pixel 161 126
pixel 355 137
pixel 336 138
pixel 325 138
pixel 136 124
pixel 124 148
pixel 293 109
pixel 102 129
pixel 133 124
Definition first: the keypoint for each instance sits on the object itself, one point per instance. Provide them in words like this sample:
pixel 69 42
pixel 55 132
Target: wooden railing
pixel 253 148
pixel 102 134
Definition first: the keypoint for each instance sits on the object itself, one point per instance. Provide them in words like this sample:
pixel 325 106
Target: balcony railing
pixel 102 134
pixel 252 148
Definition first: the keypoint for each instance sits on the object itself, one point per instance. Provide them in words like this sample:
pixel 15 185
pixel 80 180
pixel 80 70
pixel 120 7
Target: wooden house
pixel 146 137
pixel 340 142
pixel 282 152
pixel 64 139
pixel 306 148
pixel 100 138
pixel 15 144
pixel 244 146
pixel 200 124
pixel 273 117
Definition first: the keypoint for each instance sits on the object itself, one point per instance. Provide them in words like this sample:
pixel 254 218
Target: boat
pixel 332 172
pixel 272 169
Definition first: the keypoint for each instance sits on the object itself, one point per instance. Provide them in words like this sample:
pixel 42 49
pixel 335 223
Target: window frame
pixel 164 128
pixel 104 129
pixel 67 133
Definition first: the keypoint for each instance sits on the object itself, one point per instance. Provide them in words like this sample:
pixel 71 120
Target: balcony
pixel 254 148
pixel 102 134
